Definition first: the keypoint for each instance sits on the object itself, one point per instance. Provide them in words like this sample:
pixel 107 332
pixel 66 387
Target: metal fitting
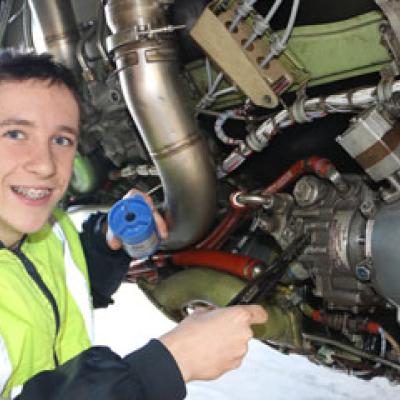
pixel 266 200
pixel 308 190
pixel 363 272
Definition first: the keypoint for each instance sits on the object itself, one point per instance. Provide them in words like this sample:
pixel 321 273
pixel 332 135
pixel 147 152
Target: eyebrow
pixel 15 121
pixel 24 122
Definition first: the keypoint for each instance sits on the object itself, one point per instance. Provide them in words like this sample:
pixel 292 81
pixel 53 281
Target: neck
pixel 10 239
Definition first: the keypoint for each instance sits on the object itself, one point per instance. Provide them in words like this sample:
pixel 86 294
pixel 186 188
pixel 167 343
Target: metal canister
pixel 131 220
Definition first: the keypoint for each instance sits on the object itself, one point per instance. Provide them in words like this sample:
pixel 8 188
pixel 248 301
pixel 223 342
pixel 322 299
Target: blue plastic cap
pixel 131 220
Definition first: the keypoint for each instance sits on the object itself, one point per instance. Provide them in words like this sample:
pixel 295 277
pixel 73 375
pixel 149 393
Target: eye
pixel 63 141
pixel 14 134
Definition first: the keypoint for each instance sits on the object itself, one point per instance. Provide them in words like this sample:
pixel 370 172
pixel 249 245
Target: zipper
pixel 33 273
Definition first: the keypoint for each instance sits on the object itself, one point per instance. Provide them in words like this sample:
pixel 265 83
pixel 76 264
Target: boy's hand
pixel 208 343
pixel 115 244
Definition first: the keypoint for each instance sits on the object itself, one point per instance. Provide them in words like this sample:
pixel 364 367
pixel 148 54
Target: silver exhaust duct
pixel 56 21
pixel 147 65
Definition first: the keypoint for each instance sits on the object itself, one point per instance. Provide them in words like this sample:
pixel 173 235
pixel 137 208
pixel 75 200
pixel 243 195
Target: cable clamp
pixel 298 109
pixel 384 90
pixel 276 45
pixel 245 8
pixel 260 25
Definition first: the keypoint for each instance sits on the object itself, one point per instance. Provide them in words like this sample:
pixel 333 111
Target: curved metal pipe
pixel 5 12
pixel 149 75
pixel 57 22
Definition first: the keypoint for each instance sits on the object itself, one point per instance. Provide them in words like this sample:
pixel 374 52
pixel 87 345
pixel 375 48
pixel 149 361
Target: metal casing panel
pixel 386 252
pixel 374 143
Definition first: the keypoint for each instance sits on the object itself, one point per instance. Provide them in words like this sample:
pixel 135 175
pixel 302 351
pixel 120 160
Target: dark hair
pixel 18 66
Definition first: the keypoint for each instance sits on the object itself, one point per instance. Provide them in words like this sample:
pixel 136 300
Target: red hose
pixel 241 266
pixel 320 166
pixel 296 170
pixel 221 233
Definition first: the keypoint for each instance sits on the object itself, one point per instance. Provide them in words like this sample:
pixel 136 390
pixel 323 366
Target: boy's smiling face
pixel 39 127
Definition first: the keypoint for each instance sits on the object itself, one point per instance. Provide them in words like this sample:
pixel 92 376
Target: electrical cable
pixel 351 350
pixel 279 44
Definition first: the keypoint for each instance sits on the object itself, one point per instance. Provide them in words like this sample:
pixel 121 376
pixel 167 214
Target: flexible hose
pixel 220 234
pixel 242 266
pixel 322 167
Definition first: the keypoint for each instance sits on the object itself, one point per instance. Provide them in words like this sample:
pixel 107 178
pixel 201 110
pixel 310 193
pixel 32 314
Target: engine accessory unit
pixel 373 140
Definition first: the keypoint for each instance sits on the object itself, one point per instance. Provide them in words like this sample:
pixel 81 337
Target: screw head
pixel 363 272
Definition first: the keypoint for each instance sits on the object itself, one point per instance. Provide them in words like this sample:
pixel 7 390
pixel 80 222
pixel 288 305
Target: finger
pixel 159 220
pixel 148 199
pixel 161 224
pixel 258 315
pixel 132 192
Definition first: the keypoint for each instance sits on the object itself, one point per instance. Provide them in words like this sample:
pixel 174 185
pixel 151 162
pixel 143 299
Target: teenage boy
pixel 50 276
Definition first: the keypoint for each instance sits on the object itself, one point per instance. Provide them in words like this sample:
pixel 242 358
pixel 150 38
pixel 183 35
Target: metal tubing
pixel 149 76
pixel 5 13
pixel 57 21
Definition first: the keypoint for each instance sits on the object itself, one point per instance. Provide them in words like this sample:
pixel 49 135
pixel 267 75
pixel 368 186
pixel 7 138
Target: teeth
pixel 31 193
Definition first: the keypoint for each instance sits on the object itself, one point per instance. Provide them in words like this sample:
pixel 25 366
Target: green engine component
pixel 210 286
pixel 316 54
pixel 83 180
pixel 340 50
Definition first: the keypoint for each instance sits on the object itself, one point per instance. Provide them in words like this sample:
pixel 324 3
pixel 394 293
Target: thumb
pixel 113 242
pixel 258 315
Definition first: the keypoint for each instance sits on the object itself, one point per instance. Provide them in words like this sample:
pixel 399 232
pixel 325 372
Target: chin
pixel 32 225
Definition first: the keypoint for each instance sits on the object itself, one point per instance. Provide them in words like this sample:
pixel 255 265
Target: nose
pixel 41 161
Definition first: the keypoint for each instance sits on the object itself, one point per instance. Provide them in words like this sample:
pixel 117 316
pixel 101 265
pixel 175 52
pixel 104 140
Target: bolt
pixel 367 208
pixel 308 191
pixel 268 99
pixel 115 97
pixel 363 273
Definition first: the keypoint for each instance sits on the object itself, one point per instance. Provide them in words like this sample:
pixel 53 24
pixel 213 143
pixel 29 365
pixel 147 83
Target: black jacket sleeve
pixel 149 373
pixel 107 268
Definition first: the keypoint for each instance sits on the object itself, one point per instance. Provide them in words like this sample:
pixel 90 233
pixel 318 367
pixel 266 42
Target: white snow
pixel 264 375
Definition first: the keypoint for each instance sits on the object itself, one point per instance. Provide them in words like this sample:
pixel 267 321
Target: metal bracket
pixel 135 35
pixel 392 195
